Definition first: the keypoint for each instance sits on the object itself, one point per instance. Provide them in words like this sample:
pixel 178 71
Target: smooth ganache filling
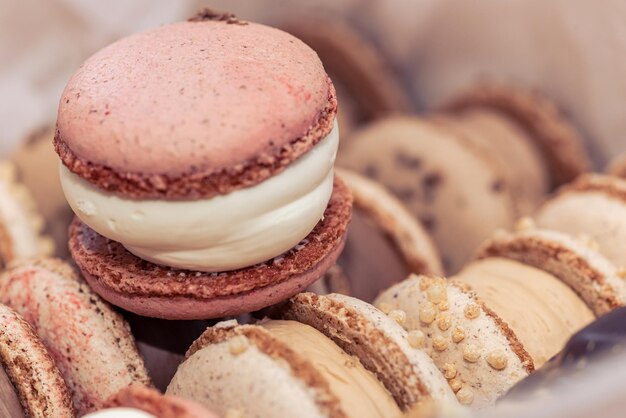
pixel 222 233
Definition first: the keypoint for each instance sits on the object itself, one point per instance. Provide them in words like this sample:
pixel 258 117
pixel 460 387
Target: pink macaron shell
pixel 187 308
pixel 192 96
pixel 72 325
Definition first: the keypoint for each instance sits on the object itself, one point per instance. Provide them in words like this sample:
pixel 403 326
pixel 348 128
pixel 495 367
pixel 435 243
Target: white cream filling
pixel 120 413
pixel 226 232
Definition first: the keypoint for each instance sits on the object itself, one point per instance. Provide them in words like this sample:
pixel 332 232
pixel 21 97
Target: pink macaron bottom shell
pixel 180 307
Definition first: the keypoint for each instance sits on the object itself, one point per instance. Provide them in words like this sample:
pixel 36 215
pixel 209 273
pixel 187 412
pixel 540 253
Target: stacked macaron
pixel 21 226
pixel 89 342
pixel 220 204
pixel 510 310
pixel 488 158
pixel 323 356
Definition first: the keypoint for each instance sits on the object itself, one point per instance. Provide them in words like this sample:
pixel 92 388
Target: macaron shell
pixel 512 152
pixel 283 380
pixel 487 332
pixel 593 205
pixel 250 99
pixel 377 341
pixel 594 278
pixel 90 343
pixel 556 138
pixel 152 290
pixel 450 186
pixel 161 406
pixel 40 386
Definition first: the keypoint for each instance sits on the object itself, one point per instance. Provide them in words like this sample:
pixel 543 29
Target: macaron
pixel 142 402
pixel 228 203
pixel 447 184
pixel 37 166
pixel 324 356
pixel 556 138
pixel 21 225
pixel 385 242
pixel 90 343
pixel 485 159
pixel 577 262
pixel 367 85
pixel 510 310
pixel 31 385
pixel 593 205
pixel 461 333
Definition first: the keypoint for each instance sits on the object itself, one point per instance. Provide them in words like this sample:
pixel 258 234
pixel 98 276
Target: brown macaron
pixel 31 385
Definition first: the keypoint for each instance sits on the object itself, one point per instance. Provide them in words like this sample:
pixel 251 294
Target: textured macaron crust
pixel 584 269
pixel 160 406
pixel 386 243
pixel 152 290
pixel 316 383
pixel 556 138
pixel 36 379
pixel 593 205
pixel 477 351
pixel 21 226
pixel 193 109
pixel 90 342
pixel 377 340
pixel 449 185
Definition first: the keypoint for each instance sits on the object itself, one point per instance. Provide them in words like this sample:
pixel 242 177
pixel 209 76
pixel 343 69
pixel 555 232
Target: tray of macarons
pixel 191 240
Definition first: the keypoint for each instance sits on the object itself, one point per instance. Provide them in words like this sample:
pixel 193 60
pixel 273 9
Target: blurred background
pixel 571 50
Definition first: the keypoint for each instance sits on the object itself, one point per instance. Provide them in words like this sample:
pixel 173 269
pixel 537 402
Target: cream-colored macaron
pixel 477 351
pixel 21 226
pixel 577 262
pixel 324 356
pixel 449 185
pixel 593 205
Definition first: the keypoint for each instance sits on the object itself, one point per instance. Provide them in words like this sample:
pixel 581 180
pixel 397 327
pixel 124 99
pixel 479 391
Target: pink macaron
pixel 198 158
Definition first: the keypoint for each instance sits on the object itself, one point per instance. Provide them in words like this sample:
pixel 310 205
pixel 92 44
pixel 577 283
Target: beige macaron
pixel 477 351
pixel 21 225
pixel 450 185
pixel 575 261
pixel 385 242
pixel 324 356
pixel 486 158
pixel 89 341
pixel 593 205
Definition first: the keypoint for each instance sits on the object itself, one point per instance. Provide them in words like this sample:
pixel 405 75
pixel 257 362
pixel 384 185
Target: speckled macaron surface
pixel 249 100
pixel 90 343
pixel 31 371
